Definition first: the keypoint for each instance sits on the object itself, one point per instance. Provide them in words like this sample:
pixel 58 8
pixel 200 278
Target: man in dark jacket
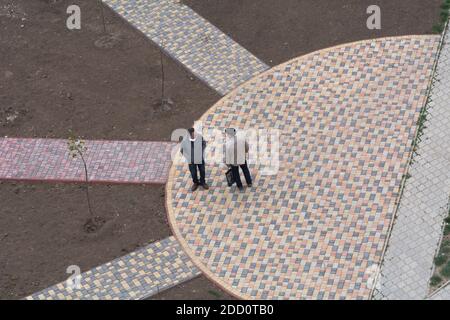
pixel 193 149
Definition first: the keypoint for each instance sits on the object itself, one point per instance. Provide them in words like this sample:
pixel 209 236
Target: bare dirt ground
pixel 276 31
pixel 41 230
pixel 53 80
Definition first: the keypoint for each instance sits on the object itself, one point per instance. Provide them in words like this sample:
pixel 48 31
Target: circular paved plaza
pixel 346 118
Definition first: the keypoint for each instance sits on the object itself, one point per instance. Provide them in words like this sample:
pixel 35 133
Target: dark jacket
pixel 197 154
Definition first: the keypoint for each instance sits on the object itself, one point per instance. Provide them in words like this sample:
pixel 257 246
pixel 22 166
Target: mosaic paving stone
pixel 416 234
pixel 346 118
pixel 139 275
pixel 188 38
pixel 108 161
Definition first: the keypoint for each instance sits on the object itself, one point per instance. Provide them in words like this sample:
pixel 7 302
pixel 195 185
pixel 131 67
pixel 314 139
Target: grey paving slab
pixel 442 294
pixel 190 39
pixel 140 274
pixel 416 233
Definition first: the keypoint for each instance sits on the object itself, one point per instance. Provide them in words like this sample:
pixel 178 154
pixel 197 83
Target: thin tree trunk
pixel 162 76
pixel 103 16
pixel 91 212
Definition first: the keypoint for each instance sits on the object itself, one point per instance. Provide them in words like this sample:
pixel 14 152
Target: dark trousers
pixel 237 177
pixel 193 170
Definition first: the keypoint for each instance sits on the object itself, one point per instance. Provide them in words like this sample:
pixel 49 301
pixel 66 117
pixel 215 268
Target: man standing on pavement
pixel 193 149
pixel 235 156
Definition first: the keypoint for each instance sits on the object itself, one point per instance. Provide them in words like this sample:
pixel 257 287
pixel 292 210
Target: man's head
pixel 191 133
pixel 231 132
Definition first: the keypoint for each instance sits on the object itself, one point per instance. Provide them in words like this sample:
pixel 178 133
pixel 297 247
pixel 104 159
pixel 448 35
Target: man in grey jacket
pixel 235 156
pixel 193 149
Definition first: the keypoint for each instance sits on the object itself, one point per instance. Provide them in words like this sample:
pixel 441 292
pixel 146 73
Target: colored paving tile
pixel 188 38
pixel 416 233
pixel 107 161
pixel 139 275
pixel 346 118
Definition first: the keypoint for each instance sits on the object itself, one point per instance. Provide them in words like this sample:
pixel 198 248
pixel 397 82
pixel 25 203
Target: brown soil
pixel 199 288
pixel 41 230
pixel 53 79
pixel 276 31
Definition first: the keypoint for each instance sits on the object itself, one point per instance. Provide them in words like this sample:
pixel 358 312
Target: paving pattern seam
pixel 411 156
pixel 408 262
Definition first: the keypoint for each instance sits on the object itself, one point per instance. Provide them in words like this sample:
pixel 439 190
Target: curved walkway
pixel 346 118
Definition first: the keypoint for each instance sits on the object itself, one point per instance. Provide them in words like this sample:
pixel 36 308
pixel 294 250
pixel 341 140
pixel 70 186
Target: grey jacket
pixel 236 149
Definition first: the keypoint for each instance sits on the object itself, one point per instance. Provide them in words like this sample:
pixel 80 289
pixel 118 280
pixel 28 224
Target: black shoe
pixel 205 186
pixel 194 187
pixel 250 185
